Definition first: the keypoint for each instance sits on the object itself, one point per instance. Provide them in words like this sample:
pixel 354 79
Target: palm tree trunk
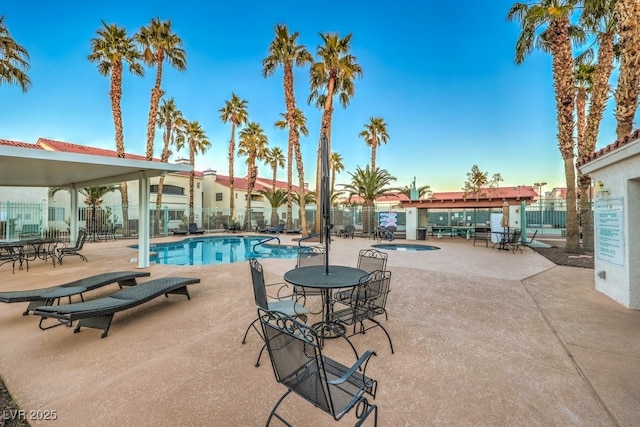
pixel 290 101
pixel 627 14
pixel 303 210
pixel 156 94
pixel 124 194
pixel 231 155
pixel 158 215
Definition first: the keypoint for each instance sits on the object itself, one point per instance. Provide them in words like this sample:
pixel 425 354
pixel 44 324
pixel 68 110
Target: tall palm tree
pixel 333 74
pixel 336 167
pixel 368 184
pixel 195 137
pixel 253 143
pixel 598 17
pixel 300 127
pixel 276 198
pixel 546 25
pixel 159 43
pixel 110 50
pixel 274 158
pixel 627 15
pixel 235 112
pixel 14 60
pixel 285 51
pixel 170 119
pixel 375 134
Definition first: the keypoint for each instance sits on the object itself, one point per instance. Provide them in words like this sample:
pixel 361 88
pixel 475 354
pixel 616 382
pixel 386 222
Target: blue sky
pixel 441 74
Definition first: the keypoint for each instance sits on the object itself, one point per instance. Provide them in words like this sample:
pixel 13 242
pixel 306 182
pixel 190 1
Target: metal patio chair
pixel 299 365
pixel 307 257
pixel 366 301
pixel 62 252
pixel 284 304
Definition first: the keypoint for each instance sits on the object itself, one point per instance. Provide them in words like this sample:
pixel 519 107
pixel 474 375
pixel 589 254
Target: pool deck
pixel 482 337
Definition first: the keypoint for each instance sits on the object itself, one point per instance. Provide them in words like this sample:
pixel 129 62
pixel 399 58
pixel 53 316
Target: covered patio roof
pixel 33 167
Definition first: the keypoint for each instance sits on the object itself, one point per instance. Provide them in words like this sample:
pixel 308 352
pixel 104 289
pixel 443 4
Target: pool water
pixel 213 250
pixel 405 247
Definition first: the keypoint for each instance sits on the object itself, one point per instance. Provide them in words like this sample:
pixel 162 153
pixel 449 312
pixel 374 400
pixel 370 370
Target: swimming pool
pixel 405 247
pixel 213 250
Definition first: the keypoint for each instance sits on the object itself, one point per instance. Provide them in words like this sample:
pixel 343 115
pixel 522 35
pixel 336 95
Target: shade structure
pixel 504 222
pixel 325 199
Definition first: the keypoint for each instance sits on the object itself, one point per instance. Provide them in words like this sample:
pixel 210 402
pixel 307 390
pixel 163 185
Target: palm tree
pixel 300 127
pixel 276 198
pixel 253 143
pixel 627 16
pixel 546 25
pixel 375 134
pixel 14 60
pixel 169 118
pixel 159 43
pixel 110 50
pixel 274 158
pixel 478 181
pixel 234 111
pixel 407 189
pixel 193 135
pixel 598 17
pixel 368 184
pixel 285 51
pixel 336 167
pixel 93 198
pixel 333 74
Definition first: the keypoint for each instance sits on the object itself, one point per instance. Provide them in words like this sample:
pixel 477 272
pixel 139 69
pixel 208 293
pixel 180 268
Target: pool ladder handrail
pixel 263 241
pixel 310 236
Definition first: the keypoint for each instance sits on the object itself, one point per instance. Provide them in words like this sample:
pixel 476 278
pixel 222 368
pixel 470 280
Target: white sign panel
pixel 609 236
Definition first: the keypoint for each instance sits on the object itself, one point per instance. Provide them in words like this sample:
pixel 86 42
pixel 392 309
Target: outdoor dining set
pixel 22 251
pixel 352 300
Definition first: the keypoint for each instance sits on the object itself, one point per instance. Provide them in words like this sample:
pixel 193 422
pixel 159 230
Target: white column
pixel 143 227
pixel 412 223
pixel 73 216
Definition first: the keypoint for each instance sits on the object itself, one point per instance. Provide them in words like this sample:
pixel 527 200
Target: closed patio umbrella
pixel 325 199
pixel 504 222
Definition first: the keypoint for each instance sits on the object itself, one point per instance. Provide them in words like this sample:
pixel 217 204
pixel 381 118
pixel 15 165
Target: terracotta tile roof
pixel 10 143
pixel 67 147
pixel 261 183
pixel 609 148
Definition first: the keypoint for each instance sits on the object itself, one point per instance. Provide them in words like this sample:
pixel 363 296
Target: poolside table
pixel 340 276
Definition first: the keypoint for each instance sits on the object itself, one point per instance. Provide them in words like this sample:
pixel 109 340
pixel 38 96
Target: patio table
pixel 340 276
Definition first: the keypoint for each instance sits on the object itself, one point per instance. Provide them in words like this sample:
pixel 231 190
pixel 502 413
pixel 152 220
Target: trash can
pixel 422 233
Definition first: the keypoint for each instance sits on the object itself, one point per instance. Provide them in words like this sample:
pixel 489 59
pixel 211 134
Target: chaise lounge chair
pixel 98 313
pixel 193 229
pixel 46 296
pixel 62 252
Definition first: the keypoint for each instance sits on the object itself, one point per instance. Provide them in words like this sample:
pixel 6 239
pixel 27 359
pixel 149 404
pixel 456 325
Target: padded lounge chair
pixel 62 252
pixel 276 229
pixel 193 229
pixel 98 313
pixel 35 297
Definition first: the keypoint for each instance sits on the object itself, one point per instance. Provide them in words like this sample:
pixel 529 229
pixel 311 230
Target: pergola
pixel 30 167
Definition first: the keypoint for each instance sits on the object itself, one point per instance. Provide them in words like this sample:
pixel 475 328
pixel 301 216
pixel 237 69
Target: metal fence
pixel 21 219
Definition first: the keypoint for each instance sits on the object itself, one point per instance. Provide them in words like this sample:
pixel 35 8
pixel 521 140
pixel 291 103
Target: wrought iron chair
pixel 369 260
pixel 514 241
pixel 62 252
pixel 366 301
pixel 299 365
pixel 284 304
pixel 308 256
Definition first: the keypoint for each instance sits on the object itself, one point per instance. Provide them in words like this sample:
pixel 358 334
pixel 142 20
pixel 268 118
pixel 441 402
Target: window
pixel 168 189
pixel 175 215
pixel 218 197
pixel 56 214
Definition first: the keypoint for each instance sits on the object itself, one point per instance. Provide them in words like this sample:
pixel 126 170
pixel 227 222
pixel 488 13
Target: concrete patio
pixel 482 337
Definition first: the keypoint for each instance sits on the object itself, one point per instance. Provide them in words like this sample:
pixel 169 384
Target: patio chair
pixel 348 231
pixel 367 301
pixel 299 365
pixel 308 256
pixel 12 253
pixel 285 304
pixel 98 313
pixel 369 260
pixel 62 252
pixel 276 229
pixel 38 297
pixel 386 233
pixel 515 241
pixel 193 229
